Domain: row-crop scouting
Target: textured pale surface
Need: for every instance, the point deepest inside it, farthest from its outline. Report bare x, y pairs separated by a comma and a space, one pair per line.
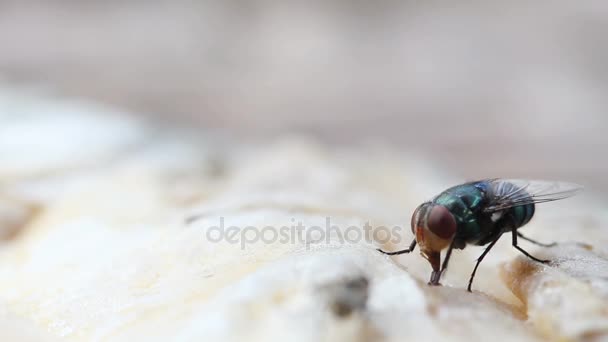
569, 298
99, 247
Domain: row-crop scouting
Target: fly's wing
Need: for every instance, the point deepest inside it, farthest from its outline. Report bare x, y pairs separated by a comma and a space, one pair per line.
507, 193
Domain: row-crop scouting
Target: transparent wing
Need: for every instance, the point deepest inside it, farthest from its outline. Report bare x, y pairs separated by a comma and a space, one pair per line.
507, 193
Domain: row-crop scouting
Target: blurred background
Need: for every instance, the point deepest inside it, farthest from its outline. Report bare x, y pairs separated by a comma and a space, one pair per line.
484, 89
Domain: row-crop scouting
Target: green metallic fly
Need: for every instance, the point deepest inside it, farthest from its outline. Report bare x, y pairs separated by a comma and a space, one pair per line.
478, 213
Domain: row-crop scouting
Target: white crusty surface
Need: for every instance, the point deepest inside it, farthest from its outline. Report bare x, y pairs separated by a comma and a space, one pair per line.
106, 228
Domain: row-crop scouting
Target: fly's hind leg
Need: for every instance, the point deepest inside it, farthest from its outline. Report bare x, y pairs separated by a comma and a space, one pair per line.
411, 248
514, 234
536, 242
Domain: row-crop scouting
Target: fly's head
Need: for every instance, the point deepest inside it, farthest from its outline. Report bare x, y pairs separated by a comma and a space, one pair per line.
434, 227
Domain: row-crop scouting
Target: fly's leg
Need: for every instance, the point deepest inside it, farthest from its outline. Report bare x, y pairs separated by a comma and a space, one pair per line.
404, 251
479, 261
536, 242
514, 235
580, 244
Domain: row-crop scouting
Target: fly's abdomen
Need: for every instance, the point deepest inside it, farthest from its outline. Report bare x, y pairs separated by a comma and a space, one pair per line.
520, 215
514, 216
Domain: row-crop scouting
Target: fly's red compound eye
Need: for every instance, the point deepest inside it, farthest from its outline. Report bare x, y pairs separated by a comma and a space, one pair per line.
441, 222
416, 218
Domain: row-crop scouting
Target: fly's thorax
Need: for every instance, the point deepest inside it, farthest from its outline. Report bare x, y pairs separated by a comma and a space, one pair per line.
434, 227
466, 203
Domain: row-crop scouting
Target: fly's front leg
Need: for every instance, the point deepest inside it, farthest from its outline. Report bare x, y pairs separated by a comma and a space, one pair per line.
410, 249
536, 242
514, 235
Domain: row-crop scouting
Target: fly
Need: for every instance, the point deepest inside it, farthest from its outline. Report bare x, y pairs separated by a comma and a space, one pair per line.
479, 213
